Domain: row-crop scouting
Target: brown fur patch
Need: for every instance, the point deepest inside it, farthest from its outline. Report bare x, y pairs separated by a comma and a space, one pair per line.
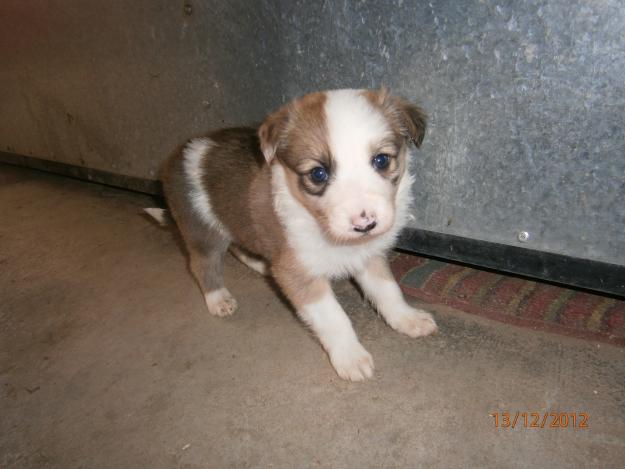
298, 285
238, 182
296, 135
296, 130
301, 143
305, 144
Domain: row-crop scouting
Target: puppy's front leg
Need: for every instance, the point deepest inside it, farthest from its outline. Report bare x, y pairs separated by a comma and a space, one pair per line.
378, 283
316, 305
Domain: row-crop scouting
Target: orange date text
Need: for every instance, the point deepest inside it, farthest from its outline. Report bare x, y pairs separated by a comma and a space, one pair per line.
540, 419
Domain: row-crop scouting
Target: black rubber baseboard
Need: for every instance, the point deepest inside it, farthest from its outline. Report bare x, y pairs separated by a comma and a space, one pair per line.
136, 184
582, 273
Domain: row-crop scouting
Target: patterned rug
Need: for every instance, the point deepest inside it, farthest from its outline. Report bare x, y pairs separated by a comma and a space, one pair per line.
513, 300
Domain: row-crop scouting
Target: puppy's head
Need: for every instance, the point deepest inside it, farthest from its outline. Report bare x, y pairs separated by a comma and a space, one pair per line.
344, 154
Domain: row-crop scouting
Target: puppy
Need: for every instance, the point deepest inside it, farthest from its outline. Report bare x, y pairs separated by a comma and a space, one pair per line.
319, 191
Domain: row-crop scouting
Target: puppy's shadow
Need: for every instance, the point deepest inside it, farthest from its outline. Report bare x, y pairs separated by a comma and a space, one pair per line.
275, 288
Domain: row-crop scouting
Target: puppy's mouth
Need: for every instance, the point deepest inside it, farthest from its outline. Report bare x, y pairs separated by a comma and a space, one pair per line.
364, 230
356, 234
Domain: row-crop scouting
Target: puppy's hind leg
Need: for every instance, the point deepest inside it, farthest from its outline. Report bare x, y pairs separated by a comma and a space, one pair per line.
207, 245
206, 261
206, 239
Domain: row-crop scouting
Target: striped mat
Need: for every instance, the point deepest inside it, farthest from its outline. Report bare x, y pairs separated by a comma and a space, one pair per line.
513, 300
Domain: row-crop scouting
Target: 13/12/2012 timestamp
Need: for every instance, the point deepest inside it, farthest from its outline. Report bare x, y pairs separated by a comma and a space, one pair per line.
540, 419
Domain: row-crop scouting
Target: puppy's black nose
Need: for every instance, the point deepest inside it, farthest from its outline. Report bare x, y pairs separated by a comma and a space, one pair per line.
366, 229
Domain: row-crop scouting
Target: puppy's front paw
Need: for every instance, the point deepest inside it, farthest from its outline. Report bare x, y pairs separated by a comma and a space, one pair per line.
220, 302
352, 362
414, 323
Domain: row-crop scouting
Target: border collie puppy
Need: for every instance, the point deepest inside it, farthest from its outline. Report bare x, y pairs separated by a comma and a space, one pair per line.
319, 191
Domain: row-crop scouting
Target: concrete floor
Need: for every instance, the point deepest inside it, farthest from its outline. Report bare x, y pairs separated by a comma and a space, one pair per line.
109, 360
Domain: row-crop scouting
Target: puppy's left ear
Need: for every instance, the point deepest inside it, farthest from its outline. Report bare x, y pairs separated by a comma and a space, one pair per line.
272, 132
413, 120
409, 118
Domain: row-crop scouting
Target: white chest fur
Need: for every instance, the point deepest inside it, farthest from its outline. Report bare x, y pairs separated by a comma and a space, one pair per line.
314, 251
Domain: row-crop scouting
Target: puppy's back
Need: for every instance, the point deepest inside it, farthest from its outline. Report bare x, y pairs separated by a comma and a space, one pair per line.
223, 182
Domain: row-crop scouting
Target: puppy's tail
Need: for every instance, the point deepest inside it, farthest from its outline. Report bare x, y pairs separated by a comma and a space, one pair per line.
160, 215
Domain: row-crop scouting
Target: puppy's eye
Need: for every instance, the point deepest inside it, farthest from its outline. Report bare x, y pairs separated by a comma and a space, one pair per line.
319, 175
381, 161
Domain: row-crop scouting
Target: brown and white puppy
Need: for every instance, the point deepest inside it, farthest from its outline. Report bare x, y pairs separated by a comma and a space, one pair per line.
320, 191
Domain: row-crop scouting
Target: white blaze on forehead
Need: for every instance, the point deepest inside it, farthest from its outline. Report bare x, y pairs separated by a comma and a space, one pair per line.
353, 126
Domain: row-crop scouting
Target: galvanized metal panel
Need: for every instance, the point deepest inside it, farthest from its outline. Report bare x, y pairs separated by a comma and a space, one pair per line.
526, 103
526, 99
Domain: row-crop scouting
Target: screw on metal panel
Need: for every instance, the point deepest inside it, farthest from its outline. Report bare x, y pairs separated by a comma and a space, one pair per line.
523, 236
188, 8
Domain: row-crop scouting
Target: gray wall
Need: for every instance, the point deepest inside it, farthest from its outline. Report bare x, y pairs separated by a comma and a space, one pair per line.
526, 98
117, 85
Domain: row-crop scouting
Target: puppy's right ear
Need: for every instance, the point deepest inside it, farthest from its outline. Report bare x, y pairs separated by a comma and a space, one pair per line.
272, 132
